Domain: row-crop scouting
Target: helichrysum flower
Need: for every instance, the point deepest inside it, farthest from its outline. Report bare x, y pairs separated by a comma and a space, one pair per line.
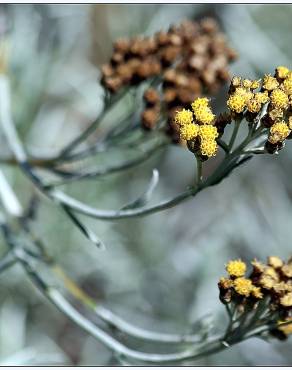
246, 93
208, 147
208, 132
282, 72
204, 115
254, 105
255, 84
279, 99
247, 83
236, 81
184, 117
287, 270
286, 300
200, 103
236, 268
275, 262
189, 131
276, 113
270, 83
287, 85
290, 122
267, 282
225, 283
202, 111
236, 103
262, 97
243, 286
286, 329
278, 132
202, 127
256, 292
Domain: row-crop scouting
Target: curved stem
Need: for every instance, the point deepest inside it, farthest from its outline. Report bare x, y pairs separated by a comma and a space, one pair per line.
90, 129
234, 134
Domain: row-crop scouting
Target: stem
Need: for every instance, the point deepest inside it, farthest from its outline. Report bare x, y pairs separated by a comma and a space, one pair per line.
234, 134
6, 261
89, 130
199, 172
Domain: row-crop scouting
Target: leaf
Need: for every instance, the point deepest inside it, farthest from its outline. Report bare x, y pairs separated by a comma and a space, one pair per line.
88, 233
146, 196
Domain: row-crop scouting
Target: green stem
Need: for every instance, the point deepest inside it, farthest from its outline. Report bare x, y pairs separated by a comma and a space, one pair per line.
199, 172
234, 134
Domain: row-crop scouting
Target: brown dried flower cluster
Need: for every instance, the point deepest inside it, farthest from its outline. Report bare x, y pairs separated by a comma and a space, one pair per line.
270, 283
190, 59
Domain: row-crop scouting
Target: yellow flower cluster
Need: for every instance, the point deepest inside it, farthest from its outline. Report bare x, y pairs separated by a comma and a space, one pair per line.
237, 282
279, 132
242, 96
197, 125
279, 89
272, 281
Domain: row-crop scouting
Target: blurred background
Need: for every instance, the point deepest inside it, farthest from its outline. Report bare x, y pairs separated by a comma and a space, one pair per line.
159, 272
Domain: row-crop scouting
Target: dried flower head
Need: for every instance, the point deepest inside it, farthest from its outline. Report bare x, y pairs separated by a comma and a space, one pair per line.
243, 286
270, 83
278, 132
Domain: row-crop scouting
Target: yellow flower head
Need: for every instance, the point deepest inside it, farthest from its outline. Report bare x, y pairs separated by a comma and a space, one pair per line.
236, 81
255, 84
286, 300
256, 292
189, 132
267, 282
287, 270
270, 271
236, 268
275, 262
262, 97
200, 103
276, 113
270, 83
184, 117
246, 93
202, 111
278, 132
258, 266
279, 99
286, 329
287, 85
247, 83
208, 132
280, 288
208, 147
282, 72
236, 103
205, 116
225, 283
243, 286
254, 106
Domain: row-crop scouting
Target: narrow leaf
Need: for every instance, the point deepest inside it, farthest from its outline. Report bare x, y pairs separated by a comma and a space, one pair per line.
146, 196
88, 233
